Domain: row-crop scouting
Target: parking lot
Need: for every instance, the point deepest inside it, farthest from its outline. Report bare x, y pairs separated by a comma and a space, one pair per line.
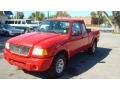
104, 64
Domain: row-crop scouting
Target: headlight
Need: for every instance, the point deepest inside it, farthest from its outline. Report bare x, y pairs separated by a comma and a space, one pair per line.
39, 51
7, 46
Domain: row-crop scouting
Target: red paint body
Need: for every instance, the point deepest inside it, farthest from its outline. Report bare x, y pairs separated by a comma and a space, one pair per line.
53, 43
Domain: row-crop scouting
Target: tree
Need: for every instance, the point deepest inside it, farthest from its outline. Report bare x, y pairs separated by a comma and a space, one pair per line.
62, 14
99, 15
93, 14
96, 14
10, 17
114, 21
37, 16
19, 15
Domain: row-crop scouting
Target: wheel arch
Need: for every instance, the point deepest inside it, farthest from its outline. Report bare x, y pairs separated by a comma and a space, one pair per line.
63, 52
94, 40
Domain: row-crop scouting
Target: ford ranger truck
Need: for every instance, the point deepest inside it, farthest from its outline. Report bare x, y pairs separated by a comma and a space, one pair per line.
51, 46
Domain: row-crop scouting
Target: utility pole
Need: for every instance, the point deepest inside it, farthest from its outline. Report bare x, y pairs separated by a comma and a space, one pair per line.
98, 21
35, 16
16, 15
48, 14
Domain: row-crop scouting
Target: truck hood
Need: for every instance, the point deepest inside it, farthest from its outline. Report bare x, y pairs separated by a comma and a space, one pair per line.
31, 39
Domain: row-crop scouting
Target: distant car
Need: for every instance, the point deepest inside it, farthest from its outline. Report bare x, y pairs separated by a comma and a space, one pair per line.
106, 28
24, 23
8, 30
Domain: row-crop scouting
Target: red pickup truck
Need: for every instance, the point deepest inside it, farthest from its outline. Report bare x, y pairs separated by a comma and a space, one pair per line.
51, 46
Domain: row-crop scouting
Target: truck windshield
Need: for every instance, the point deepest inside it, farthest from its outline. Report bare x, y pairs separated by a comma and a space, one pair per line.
54, 26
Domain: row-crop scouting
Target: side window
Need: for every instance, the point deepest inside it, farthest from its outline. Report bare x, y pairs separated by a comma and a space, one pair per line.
83, 28
10, 22
23, 22
19, 22
76, 27
15, 22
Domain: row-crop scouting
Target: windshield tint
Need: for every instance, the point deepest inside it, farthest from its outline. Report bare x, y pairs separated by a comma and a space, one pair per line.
54, 26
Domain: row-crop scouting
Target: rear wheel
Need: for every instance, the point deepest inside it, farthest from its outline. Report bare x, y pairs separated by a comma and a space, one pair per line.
57, 67
92, 50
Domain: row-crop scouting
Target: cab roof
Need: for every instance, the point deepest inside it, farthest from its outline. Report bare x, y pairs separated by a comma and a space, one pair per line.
67, 19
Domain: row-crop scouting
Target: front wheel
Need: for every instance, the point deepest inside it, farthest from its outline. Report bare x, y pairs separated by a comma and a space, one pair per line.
7, 34
57, 67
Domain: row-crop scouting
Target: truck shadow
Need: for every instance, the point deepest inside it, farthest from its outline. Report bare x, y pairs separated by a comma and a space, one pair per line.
81, 63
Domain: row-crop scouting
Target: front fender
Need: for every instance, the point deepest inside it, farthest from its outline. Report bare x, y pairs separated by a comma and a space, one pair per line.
57, 48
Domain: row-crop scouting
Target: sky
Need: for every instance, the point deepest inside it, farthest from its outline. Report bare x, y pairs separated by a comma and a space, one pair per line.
72, 13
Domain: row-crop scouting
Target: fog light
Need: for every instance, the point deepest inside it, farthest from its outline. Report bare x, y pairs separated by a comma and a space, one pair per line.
34, 67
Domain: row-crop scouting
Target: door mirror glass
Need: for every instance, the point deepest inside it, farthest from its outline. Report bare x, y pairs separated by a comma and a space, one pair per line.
88, 30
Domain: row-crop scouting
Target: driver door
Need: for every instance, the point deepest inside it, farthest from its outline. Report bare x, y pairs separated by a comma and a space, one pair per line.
75, 42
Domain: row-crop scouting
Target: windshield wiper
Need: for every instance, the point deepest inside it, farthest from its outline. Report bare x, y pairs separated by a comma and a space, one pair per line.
51, 31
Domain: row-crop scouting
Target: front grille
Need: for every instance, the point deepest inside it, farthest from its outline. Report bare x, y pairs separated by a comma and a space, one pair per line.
21, 50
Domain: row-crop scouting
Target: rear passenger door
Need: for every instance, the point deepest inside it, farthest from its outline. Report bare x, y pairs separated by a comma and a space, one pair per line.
85, 36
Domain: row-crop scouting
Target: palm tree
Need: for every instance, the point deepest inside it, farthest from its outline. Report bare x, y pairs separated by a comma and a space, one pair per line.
62, 14
39, 16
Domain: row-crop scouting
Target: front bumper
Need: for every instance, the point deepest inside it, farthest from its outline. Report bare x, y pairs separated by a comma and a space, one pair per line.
12, 34
28, 63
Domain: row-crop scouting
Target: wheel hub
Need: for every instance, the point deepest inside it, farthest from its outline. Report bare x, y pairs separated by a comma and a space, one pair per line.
59, 66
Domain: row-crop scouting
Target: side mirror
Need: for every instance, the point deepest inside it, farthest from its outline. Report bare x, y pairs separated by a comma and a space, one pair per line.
75, 33
88, 30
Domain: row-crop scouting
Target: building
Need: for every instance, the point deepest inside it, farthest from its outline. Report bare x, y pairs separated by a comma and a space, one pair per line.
91, 21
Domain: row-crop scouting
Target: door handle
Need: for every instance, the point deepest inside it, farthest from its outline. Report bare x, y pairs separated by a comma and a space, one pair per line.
83, 36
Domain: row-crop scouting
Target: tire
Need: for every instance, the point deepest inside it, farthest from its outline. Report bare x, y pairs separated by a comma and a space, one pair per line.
92, 50
7, 34
58, 66
25, 71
